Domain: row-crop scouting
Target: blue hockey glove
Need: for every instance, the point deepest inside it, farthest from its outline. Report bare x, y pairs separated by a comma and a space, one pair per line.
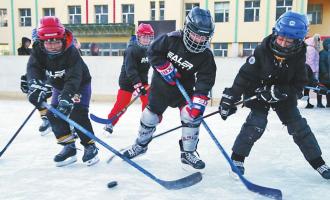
198, 107
271, 94
140, 88
37, 92
169, 73
65, 105
227, 104
24, 84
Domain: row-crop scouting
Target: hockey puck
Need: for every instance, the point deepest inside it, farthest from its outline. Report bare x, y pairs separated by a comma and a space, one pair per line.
112, 184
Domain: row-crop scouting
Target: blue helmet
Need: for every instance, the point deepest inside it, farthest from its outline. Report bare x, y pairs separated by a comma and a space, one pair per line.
291, 25
198, 23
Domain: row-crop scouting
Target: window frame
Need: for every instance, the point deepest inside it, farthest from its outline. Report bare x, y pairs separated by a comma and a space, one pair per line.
224, 13
3, 17
76, 15
254, 9
52, 11
129, 16
99, 16
25, 20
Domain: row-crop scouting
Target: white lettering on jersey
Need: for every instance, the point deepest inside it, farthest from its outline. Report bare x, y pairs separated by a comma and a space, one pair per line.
56, 74
144, 60
184, 64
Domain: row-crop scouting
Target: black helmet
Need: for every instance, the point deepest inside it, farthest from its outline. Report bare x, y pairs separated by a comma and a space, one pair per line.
198, 26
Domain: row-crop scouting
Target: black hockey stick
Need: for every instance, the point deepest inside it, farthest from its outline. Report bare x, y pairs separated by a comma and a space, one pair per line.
173, 129
170, 185
264, 191
109, 121
18, 130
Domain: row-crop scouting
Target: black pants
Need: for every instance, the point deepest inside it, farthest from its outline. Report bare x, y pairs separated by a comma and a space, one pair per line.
297, 126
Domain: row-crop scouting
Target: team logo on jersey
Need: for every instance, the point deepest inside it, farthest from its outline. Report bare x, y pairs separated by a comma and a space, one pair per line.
144, 60
184, 64
252, 60
56, 74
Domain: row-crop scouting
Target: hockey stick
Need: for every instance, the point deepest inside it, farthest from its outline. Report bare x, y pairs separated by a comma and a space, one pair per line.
315, 89
18, 130
173, 129
170, 185
265, 191
109, 121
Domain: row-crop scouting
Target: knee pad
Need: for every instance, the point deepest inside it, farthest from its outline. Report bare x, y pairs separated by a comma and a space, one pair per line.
254, 126
187, 120
298, 128
148, 123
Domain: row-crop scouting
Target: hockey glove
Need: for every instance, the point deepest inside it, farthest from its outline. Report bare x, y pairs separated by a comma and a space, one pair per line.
37, 92
271, 94
227, 107
139, 88
65, 106
24, 84
199, 103
169, 73
321, 89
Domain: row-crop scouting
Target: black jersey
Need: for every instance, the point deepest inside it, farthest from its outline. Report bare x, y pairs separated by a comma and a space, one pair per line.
262, 68
135, 67
66, 72
198, 70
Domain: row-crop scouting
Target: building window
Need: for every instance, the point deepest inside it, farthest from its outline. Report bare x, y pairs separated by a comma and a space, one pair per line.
314, 13
49, 11
190, 6
152, 10
248, 48
25, 16
128, 13
74, 14
221, 12
282, 6
251, 11
161, 10
105, 49
220, 49
101, 14
3, 18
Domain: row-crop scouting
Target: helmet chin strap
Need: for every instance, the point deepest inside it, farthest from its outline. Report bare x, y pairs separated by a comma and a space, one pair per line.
279, 59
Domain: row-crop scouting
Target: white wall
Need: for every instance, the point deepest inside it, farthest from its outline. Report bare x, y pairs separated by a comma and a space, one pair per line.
105, 73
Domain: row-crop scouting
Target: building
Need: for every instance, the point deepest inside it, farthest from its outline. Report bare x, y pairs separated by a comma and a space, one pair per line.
239, 24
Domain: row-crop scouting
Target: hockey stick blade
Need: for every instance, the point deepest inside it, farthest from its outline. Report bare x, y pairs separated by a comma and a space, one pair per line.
99, 119
170, 185
264, 191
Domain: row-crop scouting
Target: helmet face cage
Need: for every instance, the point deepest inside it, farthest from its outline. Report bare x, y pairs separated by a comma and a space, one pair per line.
190, 40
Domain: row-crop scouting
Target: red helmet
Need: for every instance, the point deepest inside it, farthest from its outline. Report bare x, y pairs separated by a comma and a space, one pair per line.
145, 29
50, 28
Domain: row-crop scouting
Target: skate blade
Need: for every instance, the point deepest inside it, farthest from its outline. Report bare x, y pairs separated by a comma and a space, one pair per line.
45, 132
92, 161
68, 161
190, 169
233, 175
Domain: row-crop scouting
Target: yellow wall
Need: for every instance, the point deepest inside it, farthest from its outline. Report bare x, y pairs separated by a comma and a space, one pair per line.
324, 28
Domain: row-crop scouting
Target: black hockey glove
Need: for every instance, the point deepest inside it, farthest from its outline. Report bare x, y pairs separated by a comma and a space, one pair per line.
24, 84
140, 88
37, 92
227, 107
65, 105
271, 94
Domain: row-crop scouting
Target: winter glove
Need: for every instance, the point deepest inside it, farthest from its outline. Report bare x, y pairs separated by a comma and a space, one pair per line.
37, 92
227, 106
199, 103
65, 106
24, 84
169, 73
271, 94
139, 88
321, 89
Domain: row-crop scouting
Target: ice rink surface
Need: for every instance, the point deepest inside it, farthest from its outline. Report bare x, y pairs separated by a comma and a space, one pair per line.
27, 170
